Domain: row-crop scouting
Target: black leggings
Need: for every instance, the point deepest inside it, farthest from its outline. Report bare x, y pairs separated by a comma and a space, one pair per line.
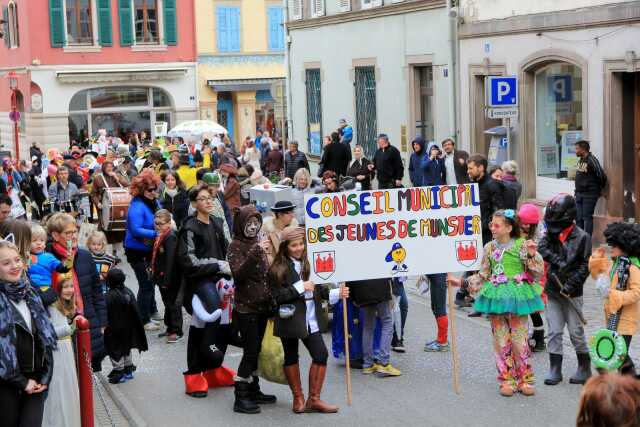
252, 327
20, 409
627, 366
315, 346
536, 320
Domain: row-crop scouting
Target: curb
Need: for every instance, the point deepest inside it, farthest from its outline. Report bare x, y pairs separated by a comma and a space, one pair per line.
122, 403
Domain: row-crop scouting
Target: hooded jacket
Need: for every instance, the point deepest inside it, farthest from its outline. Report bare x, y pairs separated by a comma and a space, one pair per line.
231, 186
433, 171
415, 170
249, 265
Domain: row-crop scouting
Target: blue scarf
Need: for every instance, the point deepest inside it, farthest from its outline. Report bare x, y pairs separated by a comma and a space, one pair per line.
17, 292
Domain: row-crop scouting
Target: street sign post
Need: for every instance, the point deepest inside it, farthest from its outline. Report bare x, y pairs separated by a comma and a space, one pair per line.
501, 99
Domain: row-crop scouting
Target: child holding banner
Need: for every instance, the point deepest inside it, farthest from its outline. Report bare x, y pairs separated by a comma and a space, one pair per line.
508, 291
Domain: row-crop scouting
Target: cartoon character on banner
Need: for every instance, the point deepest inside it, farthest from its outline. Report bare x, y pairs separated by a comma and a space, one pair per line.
397, 255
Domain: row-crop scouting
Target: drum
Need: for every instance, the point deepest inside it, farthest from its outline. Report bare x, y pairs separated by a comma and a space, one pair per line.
115, 205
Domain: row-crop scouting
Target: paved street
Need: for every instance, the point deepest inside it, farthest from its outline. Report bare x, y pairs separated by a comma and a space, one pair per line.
423, 395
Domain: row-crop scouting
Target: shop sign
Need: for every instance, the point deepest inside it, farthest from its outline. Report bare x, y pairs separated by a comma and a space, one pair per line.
502, 113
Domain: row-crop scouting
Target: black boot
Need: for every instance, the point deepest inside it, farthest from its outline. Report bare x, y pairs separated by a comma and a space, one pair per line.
555, 369
538, 340
258, 396
243, 402
584, 369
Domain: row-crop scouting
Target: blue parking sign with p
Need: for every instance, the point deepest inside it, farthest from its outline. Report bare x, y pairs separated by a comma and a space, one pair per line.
502, 91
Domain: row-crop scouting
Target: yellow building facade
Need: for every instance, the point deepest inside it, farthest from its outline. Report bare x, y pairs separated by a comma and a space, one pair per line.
241, 67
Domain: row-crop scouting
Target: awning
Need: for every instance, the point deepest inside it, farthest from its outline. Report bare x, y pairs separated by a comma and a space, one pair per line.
241, 84
110, 76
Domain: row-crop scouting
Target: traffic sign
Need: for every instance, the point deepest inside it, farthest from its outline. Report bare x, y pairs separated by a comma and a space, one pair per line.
14, 116
501, 91
502, 113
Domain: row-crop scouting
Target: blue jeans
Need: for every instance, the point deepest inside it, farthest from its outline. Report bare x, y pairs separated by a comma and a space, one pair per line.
400, 295
383, 312
146, 291
585, 206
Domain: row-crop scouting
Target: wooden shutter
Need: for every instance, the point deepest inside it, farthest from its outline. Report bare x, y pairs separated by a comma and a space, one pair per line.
170, 23
56, 23
318, 8
376, 3
125, 16
296, 9
276, 29
222, 28
345, 5
234, 29
105, 36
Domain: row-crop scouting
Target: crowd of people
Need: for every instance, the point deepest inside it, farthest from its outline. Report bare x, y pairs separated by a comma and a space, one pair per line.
180, 214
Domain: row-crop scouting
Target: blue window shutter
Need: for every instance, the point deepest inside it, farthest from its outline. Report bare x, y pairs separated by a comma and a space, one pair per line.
170, 23
276, 29
5, 26
234, 29
104, 23
125, 16
222, 29
56, 22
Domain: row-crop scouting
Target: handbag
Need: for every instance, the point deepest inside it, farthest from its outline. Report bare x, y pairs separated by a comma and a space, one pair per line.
271, 359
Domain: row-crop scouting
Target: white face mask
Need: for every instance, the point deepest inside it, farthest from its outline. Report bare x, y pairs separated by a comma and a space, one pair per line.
252, 227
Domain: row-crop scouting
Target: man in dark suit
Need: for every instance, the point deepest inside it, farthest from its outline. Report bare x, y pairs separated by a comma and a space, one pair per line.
455, 163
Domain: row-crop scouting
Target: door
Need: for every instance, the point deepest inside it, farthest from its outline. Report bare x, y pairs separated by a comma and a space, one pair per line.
225, 115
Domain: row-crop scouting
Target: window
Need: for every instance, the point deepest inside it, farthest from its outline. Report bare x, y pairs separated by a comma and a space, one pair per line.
146, 21
228, 29
559, 120
314, 111
366, 109
276, 28
12, 37
345, 5
78, 15
317, 8
295, 10
368, 4
424, 119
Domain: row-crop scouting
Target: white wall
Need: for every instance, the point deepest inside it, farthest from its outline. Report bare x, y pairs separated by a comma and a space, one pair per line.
512, 50
389, 40
481, 10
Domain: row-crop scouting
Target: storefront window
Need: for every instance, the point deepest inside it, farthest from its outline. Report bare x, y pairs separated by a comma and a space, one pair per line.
559, 121
146, 21
119, 110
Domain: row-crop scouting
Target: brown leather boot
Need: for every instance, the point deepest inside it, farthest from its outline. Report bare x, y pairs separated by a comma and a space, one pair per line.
292, 373
317, 374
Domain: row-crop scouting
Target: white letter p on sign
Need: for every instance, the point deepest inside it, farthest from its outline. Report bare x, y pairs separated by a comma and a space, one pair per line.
503, 90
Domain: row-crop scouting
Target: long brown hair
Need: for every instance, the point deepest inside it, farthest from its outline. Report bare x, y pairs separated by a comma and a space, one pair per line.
67, 308
610, 400
280, 265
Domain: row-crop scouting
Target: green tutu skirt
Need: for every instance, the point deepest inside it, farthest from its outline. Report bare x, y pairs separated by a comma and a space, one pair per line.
512, 297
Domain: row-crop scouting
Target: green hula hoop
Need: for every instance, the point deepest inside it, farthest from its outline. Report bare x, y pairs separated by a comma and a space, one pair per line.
607, 349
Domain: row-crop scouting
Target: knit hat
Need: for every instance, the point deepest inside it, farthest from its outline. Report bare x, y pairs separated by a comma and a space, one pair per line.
115, 278
292, 233
211, 178
529, 214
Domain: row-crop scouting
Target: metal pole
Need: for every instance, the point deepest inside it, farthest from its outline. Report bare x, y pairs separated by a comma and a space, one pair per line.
452, 19
287, 60
16, 132
509, 149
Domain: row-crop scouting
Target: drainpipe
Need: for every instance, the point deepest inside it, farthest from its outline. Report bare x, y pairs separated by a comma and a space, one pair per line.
452, 28
287, 60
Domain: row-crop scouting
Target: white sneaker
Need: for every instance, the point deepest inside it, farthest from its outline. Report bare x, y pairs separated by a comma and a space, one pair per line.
151, 326
157, 317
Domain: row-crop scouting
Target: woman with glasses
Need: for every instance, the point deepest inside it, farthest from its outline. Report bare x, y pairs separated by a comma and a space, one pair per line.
138, 241
90, 300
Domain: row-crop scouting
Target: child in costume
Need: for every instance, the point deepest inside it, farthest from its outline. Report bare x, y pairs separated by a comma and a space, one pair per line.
566, 249
124, 330
529, 218
301, 317
624, 239
43, 264
509, 292
97, 245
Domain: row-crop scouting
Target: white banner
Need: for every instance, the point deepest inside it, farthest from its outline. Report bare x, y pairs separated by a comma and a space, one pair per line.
357, 235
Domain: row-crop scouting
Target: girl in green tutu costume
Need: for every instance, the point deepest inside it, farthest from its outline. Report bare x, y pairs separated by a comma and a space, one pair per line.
507, 289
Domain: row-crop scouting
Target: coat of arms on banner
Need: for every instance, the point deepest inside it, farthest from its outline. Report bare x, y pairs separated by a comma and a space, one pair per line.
466, 252
324, 263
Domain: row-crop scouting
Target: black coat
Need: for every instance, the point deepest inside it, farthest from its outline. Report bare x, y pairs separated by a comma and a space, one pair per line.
491, 200
125, 330
369, 292
460, 158
177, 205
284, 293
166, 272
361, 168
388, 166
335, 157
569, 261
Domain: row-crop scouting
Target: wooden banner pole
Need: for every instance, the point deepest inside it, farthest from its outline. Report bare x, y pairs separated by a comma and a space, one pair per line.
345, 323
454, 340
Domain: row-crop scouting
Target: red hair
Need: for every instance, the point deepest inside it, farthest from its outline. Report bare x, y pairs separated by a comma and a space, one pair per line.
610, 400
146, 179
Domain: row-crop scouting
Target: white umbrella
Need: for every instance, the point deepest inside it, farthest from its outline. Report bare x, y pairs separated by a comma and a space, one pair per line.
195, 129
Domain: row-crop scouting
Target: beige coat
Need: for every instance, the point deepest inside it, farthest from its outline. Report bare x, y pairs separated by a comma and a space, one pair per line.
629, 299
272, 240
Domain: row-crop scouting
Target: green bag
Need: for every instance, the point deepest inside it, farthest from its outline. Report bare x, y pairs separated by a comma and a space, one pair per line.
271, 359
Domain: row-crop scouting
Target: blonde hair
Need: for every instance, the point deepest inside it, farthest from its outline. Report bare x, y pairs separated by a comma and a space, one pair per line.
67, 308
510, 167
97, 236
38, 231
302, 172
164, 215
59, 221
